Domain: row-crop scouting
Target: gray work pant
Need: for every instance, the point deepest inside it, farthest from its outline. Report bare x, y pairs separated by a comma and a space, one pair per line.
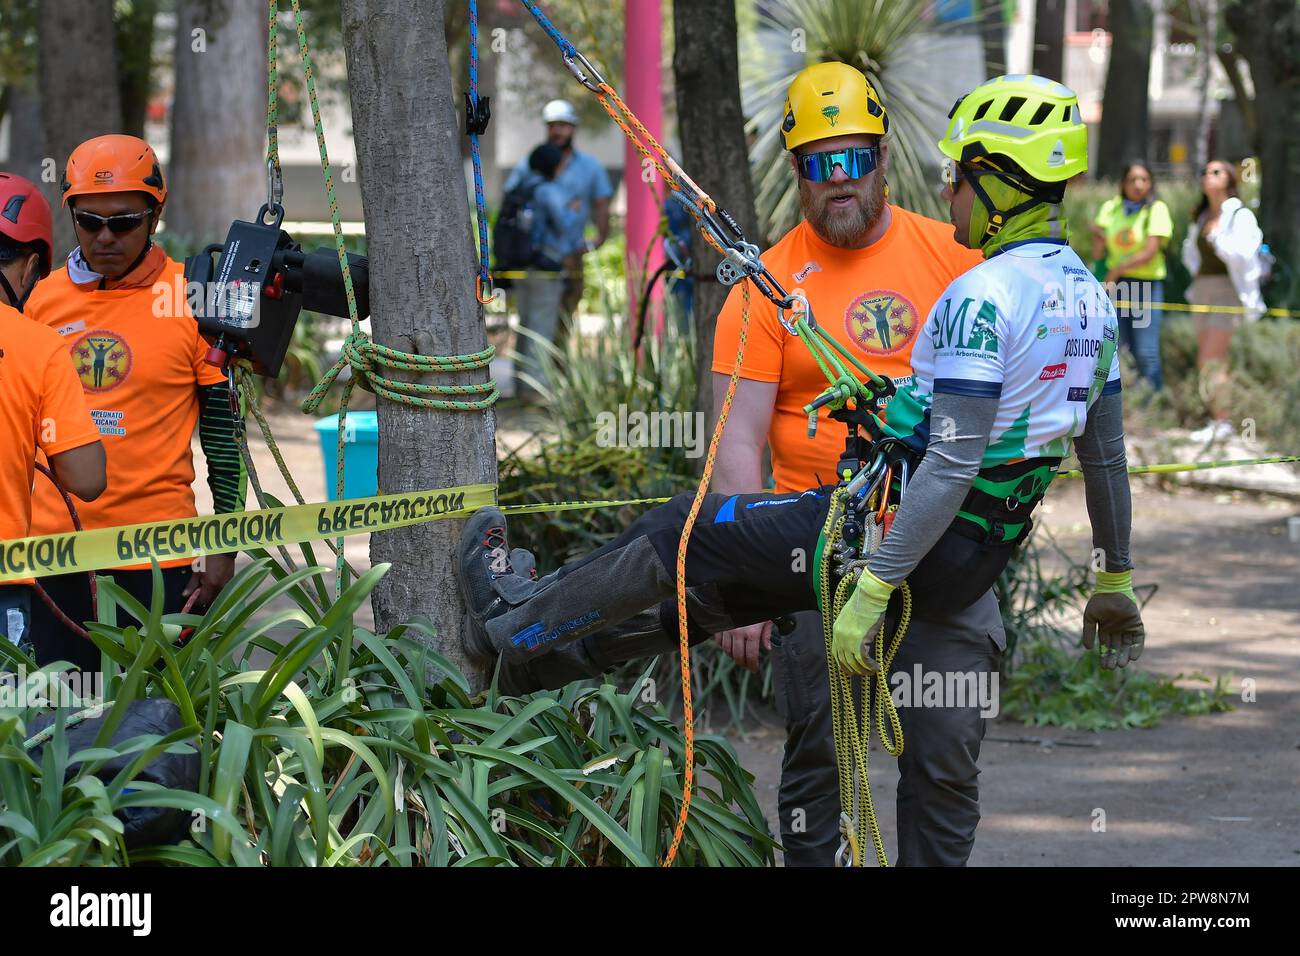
538, 302
938, 789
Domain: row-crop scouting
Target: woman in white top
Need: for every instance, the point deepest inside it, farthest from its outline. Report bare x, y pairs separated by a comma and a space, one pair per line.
1221, 251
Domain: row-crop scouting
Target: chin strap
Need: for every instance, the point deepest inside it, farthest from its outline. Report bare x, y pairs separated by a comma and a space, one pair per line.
18, 301
997, 218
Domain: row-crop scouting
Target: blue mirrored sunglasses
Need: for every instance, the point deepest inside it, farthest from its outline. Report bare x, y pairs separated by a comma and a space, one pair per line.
856, 161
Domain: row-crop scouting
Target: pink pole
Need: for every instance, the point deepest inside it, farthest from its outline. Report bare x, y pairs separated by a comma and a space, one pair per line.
641, 45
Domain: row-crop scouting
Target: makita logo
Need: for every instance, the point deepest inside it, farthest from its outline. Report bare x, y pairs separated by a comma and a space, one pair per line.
1082, 348
1051, 372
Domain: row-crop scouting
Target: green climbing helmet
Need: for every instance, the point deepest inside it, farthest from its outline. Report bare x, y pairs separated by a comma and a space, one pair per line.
1031, 120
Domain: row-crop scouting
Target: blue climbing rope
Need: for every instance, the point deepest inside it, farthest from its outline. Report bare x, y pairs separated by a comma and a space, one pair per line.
567, 48
476, 120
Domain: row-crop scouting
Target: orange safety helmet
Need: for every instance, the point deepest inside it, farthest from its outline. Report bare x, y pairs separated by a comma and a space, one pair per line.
113, 164
25, 217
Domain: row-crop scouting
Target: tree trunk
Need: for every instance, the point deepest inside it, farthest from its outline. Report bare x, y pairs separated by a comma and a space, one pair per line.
27, 143
1230, 59
421, 292
714, 151
1208, 11
135, 57
217, 170
1049, 39
1124, 115
1268, 36
78, 79
993, 38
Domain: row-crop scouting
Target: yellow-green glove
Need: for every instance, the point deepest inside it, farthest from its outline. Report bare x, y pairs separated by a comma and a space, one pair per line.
1112, 614
855, 628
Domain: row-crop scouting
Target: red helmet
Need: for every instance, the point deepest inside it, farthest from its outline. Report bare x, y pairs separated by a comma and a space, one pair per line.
25, 217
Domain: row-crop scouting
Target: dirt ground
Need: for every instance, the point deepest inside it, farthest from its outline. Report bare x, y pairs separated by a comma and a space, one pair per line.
1219, 790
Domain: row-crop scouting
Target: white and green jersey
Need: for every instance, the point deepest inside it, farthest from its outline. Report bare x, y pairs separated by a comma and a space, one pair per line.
1030, 327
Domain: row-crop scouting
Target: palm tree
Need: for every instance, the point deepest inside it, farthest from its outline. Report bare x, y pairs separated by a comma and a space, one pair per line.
876, 37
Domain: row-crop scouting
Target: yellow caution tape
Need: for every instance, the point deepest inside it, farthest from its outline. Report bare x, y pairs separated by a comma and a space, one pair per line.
1193, 307
100, 548
94, 550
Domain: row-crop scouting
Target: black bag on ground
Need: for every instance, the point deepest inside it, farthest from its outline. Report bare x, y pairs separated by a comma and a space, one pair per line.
142, 826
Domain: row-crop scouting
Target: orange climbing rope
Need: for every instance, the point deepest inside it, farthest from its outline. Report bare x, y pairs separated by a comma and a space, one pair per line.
688, 710
742, 263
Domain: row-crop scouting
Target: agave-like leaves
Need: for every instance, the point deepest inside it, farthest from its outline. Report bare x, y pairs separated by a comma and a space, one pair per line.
333, 748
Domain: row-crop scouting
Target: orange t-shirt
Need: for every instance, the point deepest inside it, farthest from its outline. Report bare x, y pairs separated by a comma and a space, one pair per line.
139, 355
873, 301
41, 406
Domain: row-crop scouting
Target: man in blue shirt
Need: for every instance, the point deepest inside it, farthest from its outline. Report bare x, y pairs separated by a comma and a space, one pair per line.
586, 189
539, 294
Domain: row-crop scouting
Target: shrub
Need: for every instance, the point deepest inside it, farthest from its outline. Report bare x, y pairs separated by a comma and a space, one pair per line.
348, 748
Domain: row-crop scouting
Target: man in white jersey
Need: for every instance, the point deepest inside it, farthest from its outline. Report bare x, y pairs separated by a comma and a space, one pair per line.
1015, 362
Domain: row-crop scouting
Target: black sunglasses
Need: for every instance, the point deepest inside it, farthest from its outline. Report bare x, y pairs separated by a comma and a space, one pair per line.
119, 225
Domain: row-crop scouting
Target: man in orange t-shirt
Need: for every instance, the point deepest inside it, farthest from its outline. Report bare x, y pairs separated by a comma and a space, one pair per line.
41, 404
120, 306
871, 272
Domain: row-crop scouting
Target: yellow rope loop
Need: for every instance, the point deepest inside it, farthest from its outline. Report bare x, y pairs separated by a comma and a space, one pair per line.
851, 718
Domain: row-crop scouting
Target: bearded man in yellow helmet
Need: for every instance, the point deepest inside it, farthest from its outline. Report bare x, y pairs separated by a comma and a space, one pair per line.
1015, 362
871, 271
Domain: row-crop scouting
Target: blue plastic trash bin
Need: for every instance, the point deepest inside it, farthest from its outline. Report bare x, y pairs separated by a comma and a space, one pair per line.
361, 454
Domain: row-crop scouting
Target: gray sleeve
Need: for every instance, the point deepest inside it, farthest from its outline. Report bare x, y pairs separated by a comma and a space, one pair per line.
1105, 479
959, 432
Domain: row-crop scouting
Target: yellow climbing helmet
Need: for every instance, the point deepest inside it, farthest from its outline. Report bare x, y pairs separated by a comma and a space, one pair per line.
830, 99
1031, 120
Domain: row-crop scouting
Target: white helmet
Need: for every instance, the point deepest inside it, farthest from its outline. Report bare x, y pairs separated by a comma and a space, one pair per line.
559, 111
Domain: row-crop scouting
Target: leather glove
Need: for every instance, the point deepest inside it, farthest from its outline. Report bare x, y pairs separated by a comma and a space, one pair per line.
1112, 614
858, 622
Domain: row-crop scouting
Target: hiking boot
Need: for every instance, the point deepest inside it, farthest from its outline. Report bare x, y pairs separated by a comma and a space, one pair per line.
492, 577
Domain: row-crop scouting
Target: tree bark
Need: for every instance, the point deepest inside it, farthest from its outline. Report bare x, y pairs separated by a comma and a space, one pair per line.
714, 152
1049, 39
1268, 36
27, 142
1124, 113
1208, 11
78, 80
135, 59
217, 170
421, 292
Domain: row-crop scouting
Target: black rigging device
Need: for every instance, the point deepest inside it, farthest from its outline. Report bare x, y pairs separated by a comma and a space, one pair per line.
246, 293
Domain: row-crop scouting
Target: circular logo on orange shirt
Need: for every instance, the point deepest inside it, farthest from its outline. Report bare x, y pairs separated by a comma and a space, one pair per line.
103, 360
882, 321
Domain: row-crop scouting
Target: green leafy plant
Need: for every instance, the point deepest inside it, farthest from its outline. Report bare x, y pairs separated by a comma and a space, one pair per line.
1049, 680
322, 743
1056, 687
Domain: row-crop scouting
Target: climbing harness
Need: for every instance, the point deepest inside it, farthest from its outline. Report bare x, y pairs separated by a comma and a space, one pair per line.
847, 398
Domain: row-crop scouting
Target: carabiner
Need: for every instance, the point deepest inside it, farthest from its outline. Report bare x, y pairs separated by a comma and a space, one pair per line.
274, 185
580, 67
480, 285
797, 303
